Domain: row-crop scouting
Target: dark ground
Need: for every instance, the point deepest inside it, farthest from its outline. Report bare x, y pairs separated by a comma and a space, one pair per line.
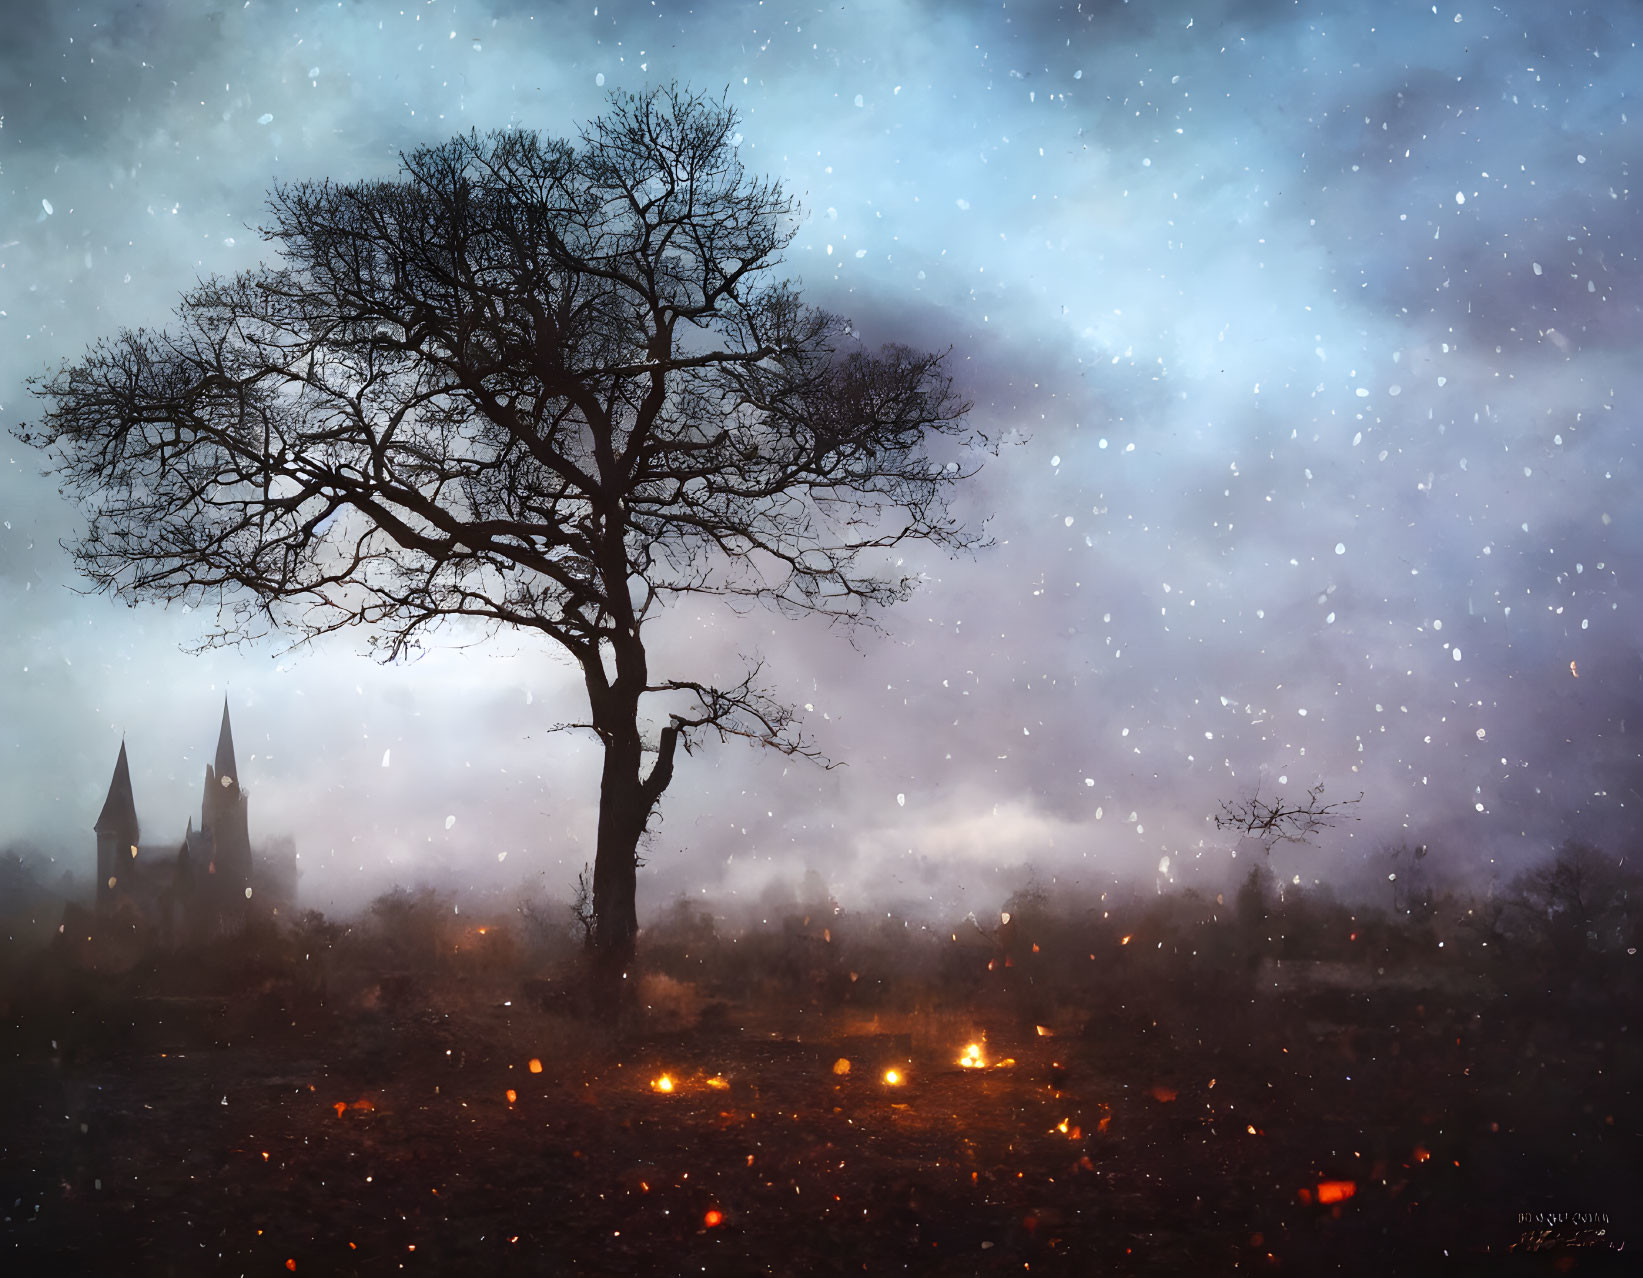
229, 1111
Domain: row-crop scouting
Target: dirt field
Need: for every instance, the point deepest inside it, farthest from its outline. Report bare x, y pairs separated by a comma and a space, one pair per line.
190, 1118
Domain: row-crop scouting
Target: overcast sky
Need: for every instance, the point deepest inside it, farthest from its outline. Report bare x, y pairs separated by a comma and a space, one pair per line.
1313, 332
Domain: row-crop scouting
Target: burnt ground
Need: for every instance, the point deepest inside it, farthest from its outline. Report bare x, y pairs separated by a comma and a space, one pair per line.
200, 1115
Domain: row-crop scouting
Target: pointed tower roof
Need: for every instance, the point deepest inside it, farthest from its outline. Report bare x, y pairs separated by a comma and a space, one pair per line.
225, 748
119, 814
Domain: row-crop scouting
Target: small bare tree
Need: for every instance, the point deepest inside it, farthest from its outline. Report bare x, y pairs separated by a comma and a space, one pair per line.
1280, 820
534, 384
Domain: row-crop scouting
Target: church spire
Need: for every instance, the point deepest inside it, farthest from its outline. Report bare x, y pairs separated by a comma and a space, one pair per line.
119, 814
225, 766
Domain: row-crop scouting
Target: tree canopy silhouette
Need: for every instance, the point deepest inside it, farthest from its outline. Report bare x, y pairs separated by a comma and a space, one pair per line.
532, 383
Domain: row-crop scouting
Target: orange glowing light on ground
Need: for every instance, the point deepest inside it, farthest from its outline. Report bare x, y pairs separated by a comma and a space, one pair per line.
291, 1264
718, 1084
662, 1084
893, 1077
1422, 1154
1163, 1094
972, 1058
535, 1066
512, 1096
1125, 941
1044, 1031
841, 1066
1336, 1191
713, 1218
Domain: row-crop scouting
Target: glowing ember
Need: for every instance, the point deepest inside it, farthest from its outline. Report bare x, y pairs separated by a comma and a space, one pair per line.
893, 1077
1044, 1031
512, 1096
1336, 1191
972, 1057
535, 1066
1125, 941
841, 1066
662, 1084
1422, 1154
1163, 1094
714, 1218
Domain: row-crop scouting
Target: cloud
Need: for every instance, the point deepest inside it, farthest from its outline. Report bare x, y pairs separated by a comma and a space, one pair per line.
1168, 245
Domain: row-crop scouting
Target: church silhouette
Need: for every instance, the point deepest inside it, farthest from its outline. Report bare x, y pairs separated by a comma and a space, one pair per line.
207, 886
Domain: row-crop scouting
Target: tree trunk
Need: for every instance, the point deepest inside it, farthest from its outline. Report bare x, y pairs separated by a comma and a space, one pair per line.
622, 813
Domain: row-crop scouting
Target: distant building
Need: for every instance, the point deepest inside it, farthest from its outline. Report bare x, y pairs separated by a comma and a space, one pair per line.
209, 884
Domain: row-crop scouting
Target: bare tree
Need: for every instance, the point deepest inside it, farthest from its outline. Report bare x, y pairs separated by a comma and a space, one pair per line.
1579, 902
1280, 820
530, 383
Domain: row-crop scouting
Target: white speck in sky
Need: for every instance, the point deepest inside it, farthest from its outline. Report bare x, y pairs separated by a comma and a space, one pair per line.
1455, 653
267, 117
1460, 197
385, 755
901, 800
1340, 547
46, 205
449, 822
599, 79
